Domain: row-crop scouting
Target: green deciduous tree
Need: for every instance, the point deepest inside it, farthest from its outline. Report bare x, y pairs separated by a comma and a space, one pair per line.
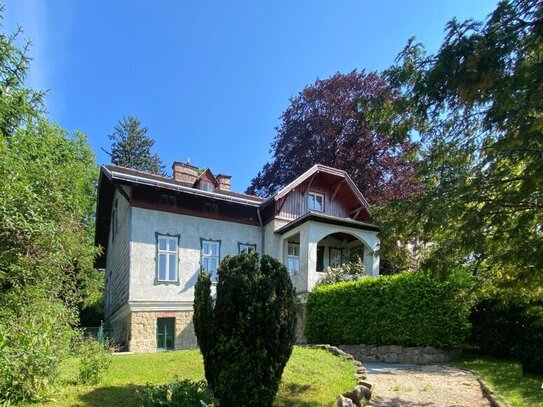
477, 108
246, 338
47, 200
132, 147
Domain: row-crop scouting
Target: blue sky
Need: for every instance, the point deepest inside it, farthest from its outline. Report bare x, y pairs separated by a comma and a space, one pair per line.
210, 79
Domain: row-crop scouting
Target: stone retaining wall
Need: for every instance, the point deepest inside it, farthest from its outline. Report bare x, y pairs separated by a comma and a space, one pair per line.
420, 355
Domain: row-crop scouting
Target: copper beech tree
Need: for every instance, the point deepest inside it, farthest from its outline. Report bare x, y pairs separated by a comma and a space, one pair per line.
325, 124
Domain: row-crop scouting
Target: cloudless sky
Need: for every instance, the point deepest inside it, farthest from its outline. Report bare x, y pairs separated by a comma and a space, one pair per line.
210, 78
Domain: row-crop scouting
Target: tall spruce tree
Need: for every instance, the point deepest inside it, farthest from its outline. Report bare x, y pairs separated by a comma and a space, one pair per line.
132, 147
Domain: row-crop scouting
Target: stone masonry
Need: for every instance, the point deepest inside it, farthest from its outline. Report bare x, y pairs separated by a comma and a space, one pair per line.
144, 326
419, 355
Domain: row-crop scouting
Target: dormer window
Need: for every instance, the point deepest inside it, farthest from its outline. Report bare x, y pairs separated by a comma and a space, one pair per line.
315, 202
206, 186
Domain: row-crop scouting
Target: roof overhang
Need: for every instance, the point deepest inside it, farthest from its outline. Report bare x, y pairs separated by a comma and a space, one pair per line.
331, 220
143, 180
311, 172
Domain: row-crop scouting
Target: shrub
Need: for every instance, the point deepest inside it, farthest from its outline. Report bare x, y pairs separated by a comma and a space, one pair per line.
246, 339
513, 330
94, 359
353, 270
35, 336
410, 309
180, 393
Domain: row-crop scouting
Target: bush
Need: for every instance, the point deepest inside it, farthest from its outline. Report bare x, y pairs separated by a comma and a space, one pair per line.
246, 339
35, 336
410, 309
180, 393
509, 331
94, 359
353, 270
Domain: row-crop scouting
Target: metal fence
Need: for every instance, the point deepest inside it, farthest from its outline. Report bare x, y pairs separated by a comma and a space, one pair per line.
101, 333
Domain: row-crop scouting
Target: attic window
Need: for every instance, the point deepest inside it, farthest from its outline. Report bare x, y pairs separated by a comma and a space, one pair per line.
315, 202
206, 186
168, 200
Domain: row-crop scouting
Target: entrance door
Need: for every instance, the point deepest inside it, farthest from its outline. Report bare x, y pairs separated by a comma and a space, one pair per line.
165, 332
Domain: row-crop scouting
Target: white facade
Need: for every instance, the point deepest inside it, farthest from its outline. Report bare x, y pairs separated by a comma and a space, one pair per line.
138, 297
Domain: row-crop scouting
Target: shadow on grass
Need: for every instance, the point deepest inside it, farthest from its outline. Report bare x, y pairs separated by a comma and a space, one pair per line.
125, 396
296, 393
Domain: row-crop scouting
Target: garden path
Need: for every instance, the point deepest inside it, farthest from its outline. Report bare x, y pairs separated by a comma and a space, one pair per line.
425, 386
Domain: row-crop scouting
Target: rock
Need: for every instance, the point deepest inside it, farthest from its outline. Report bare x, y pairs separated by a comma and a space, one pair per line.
396, 349
344, 402
390, 358
369, 389
359, 395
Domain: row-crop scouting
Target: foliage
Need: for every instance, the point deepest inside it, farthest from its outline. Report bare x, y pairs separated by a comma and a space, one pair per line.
131, 147
352, 270
35, 335
312, 377
179, 393
476, 106
509, 330
410, 309
505, 378
18, 104
91, 310
94, 359
327, 117
47, 201
247, 338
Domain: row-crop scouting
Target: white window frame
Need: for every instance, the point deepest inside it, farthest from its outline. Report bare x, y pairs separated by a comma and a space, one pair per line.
293, 260
204, 256
315, 195
246, 247
171, 256
207, 186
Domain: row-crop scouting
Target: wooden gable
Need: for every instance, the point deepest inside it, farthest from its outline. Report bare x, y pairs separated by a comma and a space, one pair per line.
341, 198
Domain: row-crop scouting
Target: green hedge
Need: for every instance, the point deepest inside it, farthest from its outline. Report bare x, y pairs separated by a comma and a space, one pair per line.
410, 309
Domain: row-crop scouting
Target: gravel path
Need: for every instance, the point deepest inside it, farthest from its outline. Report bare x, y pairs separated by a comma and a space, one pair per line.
427, 386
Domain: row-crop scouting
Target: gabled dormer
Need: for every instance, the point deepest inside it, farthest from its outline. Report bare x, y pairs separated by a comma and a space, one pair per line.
322, 190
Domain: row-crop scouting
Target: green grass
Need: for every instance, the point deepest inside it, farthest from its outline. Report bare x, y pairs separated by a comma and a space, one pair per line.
505, 378
312, 377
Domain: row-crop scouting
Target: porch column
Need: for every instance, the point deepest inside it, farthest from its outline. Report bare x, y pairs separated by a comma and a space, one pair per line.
308, 260
371, 262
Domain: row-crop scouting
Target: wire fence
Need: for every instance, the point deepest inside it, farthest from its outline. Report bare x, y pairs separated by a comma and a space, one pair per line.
102, 333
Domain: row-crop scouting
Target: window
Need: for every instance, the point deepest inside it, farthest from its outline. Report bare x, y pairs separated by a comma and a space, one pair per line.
168, 200
211, 208
246, 247
315, 202
336, 257
320, 259
293, 258
210, 257
167, 259
206, 186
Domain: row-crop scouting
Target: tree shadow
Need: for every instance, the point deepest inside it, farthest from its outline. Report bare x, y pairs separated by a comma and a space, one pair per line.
294, 396
126, 396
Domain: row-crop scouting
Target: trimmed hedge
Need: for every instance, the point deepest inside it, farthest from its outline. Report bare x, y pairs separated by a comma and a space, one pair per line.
409, 309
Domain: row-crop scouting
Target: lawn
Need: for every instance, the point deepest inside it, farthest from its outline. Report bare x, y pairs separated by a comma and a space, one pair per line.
505, 378
313, 377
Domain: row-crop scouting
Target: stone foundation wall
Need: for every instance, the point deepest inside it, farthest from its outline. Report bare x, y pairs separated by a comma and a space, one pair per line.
144, 325
300, 325
420, 355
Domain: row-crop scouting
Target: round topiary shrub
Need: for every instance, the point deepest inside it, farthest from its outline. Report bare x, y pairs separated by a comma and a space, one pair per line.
246, 336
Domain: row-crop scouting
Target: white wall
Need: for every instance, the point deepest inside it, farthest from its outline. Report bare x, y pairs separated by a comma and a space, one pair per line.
143, 250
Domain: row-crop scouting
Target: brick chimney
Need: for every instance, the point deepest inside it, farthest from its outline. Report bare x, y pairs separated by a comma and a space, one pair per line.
184, 172
224, 181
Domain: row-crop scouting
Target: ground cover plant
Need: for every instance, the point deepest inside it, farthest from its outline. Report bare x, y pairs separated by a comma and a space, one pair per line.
505, 378
312, 377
